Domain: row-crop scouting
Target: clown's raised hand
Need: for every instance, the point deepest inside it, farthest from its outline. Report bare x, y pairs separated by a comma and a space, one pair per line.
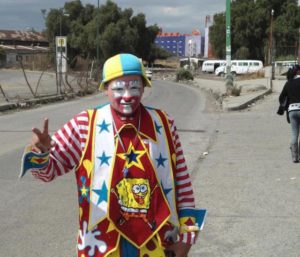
41, 141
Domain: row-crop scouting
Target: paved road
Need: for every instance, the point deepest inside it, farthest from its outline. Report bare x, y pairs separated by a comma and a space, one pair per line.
247, 181
40, 220
250, 187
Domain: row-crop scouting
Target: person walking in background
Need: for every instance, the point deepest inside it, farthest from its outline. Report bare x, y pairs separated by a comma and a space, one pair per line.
291, 94
134, 190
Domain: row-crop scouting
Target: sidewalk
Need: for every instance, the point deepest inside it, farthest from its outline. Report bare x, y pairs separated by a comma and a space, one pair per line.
251, 91
250, 186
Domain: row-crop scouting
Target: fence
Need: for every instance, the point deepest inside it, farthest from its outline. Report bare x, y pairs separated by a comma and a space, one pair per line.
34, 75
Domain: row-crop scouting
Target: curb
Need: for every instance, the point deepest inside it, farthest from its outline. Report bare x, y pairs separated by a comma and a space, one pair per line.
32, 102
236, 107
8, 106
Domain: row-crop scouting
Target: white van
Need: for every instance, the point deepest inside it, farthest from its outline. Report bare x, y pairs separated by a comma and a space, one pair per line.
281, 67
211, 65
241, 67
285, 64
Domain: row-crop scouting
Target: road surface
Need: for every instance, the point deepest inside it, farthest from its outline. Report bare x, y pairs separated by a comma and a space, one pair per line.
40, 220
247, 180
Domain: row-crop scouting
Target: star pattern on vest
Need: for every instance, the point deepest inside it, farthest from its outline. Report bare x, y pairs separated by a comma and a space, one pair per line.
104, 158
132, 157
84, 190
102, 193
161, 161
103, 126
157, 127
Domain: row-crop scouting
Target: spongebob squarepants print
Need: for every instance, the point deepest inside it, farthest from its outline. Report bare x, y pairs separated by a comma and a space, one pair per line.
134, 197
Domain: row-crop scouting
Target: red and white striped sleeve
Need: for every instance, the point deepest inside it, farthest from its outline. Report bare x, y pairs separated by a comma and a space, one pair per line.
185, 195
184, 190
69, 141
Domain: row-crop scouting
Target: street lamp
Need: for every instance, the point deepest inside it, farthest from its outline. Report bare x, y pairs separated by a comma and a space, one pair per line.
63, 13
271, 55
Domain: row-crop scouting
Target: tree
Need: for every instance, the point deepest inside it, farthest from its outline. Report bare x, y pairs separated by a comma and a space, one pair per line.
286, 30
157, 52
250, 24
119, 30
217, 35
118, 34
242, 53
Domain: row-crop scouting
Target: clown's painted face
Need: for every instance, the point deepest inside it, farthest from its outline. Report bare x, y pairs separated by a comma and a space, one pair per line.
125, 94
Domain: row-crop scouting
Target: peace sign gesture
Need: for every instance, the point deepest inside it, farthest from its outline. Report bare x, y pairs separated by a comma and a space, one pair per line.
41, 141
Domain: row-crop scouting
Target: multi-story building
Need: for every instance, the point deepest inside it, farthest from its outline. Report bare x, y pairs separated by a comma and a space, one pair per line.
181, 45
172, 42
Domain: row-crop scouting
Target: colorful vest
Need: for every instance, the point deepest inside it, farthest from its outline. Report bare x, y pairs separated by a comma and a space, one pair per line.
115, 207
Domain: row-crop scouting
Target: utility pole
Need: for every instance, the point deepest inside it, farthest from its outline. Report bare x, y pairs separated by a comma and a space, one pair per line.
271, 46
298, 57
229, 77
97, 21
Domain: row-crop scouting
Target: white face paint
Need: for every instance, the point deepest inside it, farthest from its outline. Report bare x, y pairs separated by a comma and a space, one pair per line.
125, 94
120, 89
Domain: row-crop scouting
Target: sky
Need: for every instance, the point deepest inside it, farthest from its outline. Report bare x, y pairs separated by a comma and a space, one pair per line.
171, 15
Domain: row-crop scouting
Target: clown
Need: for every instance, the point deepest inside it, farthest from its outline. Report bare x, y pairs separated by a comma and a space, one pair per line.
134, 191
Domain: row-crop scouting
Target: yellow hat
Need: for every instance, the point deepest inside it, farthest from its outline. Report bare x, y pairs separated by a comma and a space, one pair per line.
122, 65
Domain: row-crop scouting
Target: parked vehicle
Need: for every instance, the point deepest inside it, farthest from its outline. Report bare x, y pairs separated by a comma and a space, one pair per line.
240, 67
148, 74
281, 67
211, 65
194, 61
287, 64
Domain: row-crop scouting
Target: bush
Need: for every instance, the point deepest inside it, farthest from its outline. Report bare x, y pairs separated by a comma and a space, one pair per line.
183, 74
234, 90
